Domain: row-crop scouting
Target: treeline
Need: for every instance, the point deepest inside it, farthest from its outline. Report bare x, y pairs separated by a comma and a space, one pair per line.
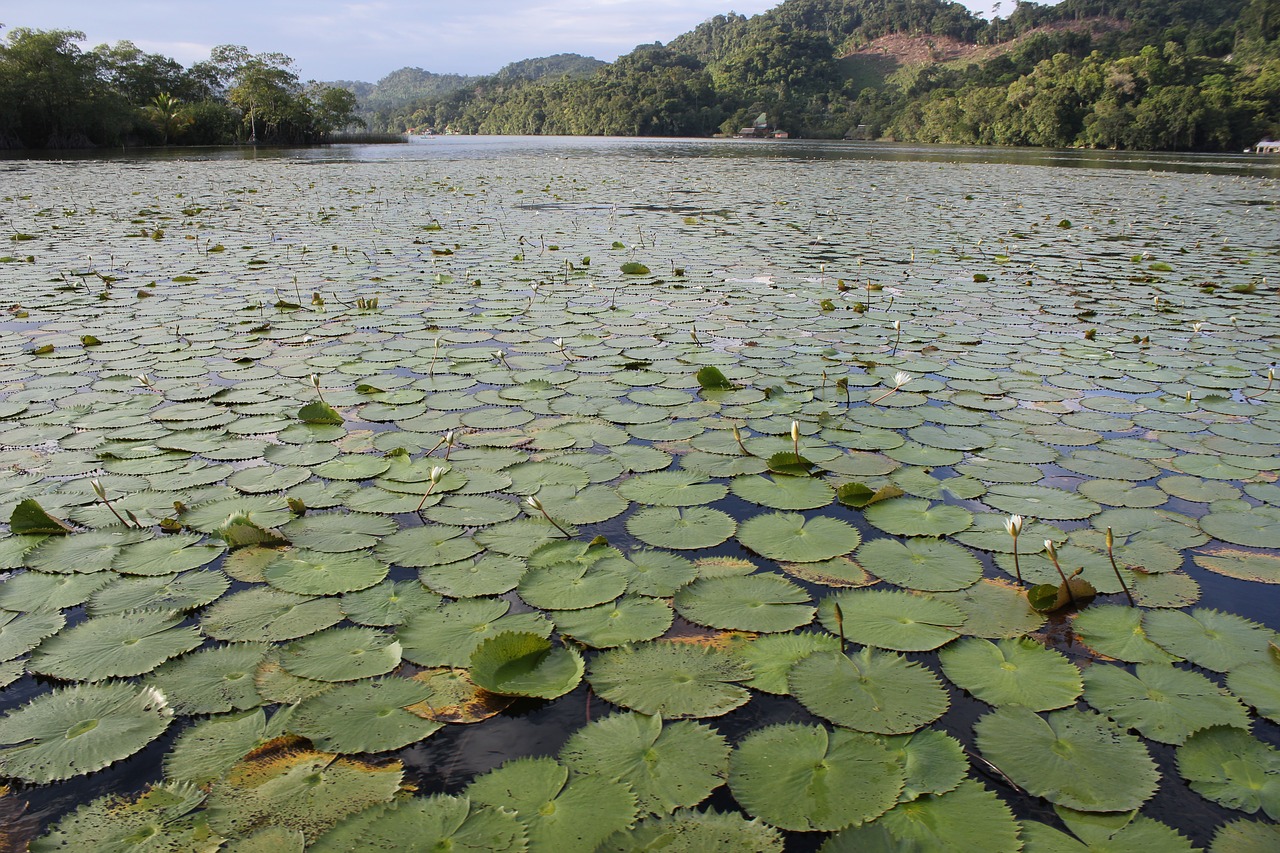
1148, 74
55, 95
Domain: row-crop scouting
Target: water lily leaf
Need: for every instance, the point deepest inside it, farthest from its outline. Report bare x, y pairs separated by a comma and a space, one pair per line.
892, 619
1259, 684
805, 778
859, 495
83, 553
792, 538
658, 573
430, 545
320, 412
342, 654
772, 656
920, 564
1209, 638
338, 533
935, 762
22, 632
1162, 702
211, 681
309, 572
28, 517
782, 492
681, 529
711, 379
120, 644
38, 592
364, 716
163, 815
261, 479
672, 488
1257, 528
688, 831
264, 615
1247, 565
918, 517
869, 691
1040, 502
667, 766
1116, 631
570, 815
427, 823
525, 664
674, 680
1072, 758
455, 698
283, 783
1232, 768
487, 574
1123, 832
629, 619
449, 634
167, 555
79, 729
1245, 836
1012, 672
764, 603
573, 585
591, 505
967, 818
388, 603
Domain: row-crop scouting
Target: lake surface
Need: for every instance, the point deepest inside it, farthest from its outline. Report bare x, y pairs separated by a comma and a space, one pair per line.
1085, 337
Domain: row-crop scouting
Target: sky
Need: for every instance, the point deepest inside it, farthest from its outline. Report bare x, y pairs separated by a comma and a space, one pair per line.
368, 39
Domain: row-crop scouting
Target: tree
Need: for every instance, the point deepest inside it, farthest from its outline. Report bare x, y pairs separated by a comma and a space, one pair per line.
169, 116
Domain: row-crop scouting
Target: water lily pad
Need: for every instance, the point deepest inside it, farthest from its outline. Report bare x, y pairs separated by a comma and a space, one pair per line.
20, 633
869, 691
790, 537
667, 766
119, 644
681, 529
763, 603
486, 574
338, 533
920, 564
163, 814
309, 572
1232, 768
935, 762
263, 615
674, 680
1164, 703
1209, 638
560, 813
79, 729
672, 488
1257, 528
435, 822
516, 663
430, 545
967, 818
83, 553
211, 681
688, 831
917, 517
364, 716
772, 656
342, 654
447, 635
1245, 836
38, 592
628, 619
1116, 631
1247, 565
1041, 502
805, 778
658, 573
892, 619
782, 492
1012, 672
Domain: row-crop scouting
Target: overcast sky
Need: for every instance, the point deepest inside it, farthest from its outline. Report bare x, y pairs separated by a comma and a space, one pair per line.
335, 40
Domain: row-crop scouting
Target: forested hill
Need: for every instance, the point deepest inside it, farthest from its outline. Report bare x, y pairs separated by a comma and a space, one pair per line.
1150, 74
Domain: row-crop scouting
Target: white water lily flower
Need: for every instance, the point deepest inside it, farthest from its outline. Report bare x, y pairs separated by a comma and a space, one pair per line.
1013, 525
901, 378
97, 488
795, 430
437, 473
1051, 548
534, 502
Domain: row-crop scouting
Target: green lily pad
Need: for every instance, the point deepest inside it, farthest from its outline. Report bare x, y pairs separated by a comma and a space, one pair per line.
672, 488
22, 632
429, 823
772, 656
364, 716
917, 517
1245, 836
1209, 638
342, 654
920, 564
79, 729
782, 492
681, 529
869, 691
1116, 631
1232, 768
486, 574
688, 831
264, 615
447, 635
765, 603
211, 681
119, 644
1256, 566
323, 573
967, 818
892, 619
164, 814
628, 619
790, 537
667, 766
430, 545
1012, 672
1072, 758
805, 778
1164, 703
674, 680
525, 664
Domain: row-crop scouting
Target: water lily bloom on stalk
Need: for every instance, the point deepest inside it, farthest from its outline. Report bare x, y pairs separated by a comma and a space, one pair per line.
899, 379
1013, 526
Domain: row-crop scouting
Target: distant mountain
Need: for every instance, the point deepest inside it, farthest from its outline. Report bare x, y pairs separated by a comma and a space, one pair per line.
1162, 74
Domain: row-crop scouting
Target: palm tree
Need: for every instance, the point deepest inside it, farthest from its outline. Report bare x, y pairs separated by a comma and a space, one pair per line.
168, 114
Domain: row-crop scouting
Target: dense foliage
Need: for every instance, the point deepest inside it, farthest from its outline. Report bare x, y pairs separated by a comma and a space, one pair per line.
53, 94
1146, 74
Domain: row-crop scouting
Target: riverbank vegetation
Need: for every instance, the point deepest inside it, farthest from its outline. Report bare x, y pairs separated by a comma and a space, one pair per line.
53, 94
